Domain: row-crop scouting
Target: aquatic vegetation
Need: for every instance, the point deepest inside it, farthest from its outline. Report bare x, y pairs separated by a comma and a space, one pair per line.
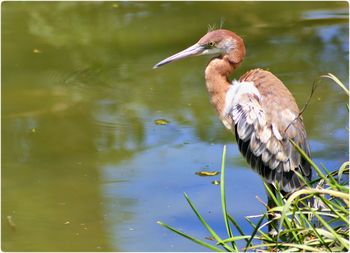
161, 122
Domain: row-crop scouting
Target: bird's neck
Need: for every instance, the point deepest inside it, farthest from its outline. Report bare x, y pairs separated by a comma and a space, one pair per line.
216, 76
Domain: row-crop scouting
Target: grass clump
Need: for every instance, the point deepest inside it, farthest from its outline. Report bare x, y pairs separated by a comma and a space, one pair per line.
323, 226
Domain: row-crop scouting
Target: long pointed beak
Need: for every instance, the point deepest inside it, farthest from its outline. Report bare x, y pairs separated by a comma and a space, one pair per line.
196, 49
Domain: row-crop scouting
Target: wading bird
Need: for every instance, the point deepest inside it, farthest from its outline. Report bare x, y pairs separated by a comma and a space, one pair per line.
258, 108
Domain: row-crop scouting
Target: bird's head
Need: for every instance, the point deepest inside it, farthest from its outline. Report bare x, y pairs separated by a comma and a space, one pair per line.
218, 42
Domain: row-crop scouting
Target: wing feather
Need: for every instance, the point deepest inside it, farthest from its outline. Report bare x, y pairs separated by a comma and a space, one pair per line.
263, 124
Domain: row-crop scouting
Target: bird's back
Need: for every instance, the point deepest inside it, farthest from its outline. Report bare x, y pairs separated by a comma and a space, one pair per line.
265, 116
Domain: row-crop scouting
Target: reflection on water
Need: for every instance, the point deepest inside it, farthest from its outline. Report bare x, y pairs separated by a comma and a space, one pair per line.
85, 167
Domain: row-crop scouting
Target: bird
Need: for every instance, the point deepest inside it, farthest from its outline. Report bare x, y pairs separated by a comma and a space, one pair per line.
258, 108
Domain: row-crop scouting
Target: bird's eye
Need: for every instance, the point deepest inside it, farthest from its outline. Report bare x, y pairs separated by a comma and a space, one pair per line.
211, 44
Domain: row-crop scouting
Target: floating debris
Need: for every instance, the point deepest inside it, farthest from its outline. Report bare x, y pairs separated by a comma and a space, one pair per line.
37, 51
115, 5
67, 222
33, 130
216, 182
207, 173
161, 122
10, 222
210, 238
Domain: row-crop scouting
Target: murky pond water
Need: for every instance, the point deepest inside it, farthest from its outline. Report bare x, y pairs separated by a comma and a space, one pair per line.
85, 167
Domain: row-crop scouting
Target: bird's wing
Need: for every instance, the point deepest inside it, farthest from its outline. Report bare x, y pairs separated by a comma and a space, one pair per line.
264, 121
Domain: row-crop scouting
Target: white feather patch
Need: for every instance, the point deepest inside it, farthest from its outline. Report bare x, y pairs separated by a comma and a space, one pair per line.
236, 90
276, 132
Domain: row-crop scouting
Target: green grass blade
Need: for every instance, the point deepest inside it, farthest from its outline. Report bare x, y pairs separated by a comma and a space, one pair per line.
330, 206
278, 193
342, 169
343, 242
285, 212
308, 159
264, 235
302, 178
335, 79
280, 209
257, 227
289, 225
202, 243
336, 204
279, 202
332, 182
287, 245
236, 225
240, 237
223, 198
271, 193
319, 237
205, 224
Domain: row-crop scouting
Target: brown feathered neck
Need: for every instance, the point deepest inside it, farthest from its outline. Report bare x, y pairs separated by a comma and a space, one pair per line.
218, 71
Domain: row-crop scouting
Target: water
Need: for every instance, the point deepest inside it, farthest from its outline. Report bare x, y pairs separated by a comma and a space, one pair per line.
84, 166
